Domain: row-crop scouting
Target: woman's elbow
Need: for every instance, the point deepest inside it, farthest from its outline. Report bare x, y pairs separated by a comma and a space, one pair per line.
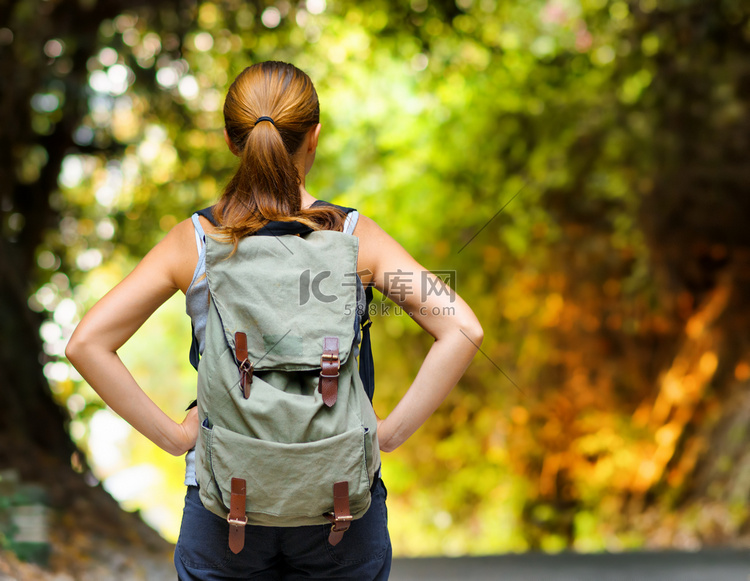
469, 326
71, 351
75, 349
473, 332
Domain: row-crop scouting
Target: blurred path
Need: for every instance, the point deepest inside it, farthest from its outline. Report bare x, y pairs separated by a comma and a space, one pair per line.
721, 565
715, 565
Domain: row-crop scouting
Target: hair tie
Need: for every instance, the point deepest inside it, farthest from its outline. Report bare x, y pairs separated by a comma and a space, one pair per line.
265, 119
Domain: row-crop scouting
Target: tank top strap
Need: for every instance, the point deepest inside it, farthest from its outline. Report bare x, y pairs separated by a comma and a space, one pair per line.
351, 222
200, 235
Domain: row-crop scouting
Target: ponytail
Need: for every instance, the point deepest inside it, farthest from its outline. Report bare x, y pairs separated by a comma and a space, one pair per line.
268, 112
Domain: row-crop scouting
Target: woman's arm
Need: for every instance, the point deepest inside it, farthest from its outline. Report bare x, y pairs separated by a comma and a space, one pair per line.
444, 315
92, 349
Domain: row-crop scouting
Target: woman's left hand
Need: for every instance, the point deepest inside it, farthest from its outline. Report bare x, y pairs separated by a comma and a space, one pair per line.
189, 431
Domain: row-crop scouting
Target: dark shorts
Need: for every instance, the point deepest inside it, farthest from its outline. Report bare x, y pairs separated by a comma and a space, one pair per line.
203, 554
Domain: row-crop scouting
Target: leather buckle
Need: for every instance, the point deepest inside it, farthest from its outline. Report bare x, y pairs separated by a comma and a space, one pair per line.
342, 529
246, 376
330, 364
341, 520
237, 522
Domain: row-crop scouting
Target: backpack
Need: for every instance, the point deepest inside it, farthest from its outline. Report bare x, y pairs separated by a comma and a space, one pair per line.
288, 435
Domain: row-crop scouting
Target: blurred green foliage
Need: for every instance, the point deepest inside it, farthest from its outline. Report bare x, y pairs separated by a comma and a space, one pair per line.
543, 151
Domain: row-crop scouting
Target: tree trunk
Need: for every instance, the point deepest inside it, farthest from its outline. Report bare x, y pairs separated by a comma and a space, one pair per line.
88, 526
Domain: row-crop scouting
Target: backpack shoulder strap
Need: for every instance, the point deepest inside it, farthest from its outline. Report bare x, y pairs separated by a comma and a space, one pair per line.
324, 203
208, 214
366, 363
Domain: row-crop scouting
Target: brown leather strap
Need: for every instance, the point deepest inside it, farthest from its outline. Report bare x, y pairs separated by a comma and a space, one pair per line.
237, 518
246, 368
342, 516
328, 384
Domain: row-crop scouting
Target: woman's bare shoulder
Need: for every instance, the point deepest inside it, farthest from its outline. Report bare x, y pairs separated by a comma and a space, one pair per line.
379, 252
178, 253
370, 230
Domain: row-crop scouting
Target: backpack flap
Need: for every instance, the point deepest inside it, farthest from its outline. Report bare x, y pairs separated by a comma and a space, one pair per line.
285, 294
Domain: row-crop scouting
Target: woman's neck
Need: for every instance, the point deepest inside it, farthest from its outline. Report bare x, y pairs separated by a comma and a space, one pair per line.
306, 199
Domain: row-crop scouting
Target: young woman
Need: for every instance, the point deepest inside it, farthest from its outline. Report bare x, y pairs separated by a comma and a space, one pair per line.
272, 125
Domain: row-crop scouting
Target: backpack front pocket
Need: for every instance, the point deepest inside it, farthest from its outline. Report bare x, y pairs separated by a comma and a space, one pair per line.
291, 484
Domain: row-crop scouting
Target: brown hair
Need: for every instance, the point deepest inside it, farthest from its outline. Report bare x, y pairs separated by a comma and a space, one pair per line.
267, 184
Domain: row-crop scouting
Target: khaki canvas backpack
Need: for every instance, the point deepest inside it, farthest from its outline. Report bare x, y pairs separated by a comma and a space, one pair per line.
288, 434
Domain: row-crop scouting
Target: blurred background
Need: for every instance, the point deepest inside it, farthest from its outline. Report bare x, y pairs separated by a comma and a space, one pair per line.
581, 166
